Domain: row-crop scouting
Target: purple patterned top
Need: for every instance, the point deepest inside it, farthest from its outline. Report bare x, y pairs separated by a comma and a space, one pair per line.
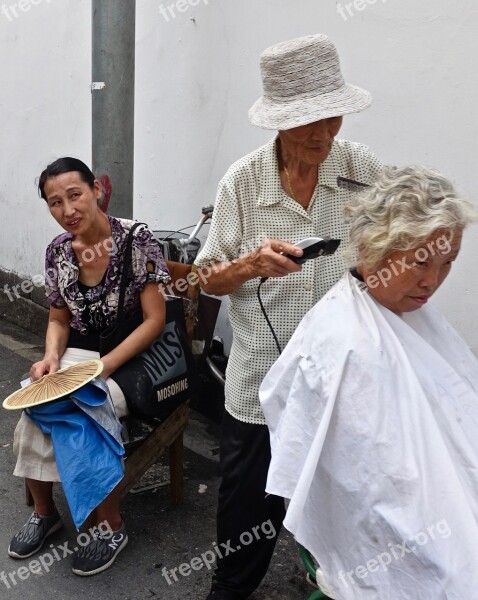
62, 271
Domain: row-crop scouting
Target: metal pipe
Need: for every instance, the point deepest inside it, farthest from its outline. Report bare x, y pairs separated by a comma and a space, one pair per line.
113, 63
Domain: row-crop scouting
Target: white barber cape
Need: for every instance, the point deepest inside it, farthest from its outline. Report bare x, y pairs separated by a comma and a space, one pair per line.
374, 435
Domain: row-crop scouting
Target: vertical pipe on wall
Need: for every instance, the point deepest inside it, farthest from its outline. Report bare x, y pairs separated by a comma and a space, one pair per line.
113, 63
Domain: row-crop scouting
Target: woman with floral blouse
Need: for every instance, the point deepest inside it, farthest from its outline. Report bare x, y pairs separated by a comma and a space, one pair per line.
82, 279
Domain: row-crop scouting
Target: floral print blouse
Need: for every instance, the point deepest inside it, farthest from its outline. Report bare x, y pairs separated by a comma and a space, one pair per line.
97, 307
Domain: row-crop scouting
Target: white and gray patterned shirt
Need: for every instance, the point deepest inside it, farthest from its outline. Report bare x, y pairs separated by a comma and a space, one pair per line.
251, 206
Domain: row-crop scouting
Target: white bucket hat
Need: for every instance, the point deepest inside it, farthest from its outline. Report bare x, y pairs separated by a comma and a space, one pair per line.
302, 84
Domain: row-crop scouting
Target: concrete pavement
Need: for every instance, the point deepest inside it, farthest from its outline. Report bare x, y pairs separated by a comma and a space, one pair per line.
159, 535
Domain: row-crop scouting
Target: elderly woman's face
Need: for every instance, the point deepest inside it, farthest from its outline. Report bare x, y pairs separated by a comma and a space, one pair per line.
407, 279
311, 143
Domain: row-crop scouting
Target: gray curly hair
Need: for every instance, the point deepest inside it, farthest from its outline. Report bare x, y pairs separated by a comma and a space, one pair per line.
402, 210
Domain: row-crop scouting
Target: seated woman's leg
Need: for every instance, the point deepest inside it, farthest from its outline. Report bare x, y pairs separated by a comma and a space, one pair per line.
108, 539
36, 463
109, 510
109, 535
42, 492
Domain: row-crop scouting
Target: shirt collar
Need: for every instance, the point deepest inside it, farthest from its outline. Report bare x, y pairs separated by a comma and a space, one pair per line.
271, 191
333, 166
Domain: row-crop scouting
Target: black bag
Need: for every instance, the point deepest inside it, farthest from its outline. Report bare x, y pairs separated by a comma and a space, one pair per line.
159, 379
113, 335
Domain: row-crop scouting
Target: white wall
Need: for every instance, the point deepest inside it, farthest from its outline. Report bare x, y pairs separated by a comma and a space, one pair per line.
45, 113
197, 75
196, 79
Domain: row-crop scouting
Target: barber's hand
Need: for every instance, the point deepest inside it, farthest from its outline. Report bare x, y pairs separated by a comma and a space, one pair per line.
269, 260
42, 367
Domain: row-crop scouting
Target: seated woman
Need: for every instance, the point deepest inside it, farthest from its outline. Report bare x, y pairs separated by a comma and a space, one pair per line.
373, 407
83, 273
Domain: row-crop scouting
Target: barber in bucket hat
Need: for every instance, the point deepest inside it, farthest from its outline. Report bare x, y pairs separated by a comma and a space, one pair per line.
277, 195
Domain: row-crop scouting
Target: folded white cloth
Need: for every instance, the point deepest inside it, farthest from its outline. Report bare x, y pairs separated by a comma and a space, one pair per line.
323, 585
374, 421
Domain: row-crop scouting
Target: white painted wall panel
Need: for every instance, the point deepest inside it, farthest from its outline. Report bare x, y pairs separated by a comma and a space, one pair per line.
45, 113
197, 75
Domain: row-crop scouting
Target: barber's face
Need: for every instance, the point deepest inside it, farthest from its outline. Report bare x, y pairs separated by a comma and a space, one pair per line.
408, 278
311, 143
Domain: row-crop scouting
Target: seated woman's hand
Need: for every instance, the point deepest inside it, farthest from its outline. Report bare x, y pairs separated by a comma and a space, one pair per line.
42, 367
105, 373
108, 366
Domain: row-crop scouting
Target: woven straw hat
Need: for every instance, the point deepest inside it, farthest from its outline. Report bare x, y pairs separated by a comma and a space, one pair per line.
54, 386
302, 84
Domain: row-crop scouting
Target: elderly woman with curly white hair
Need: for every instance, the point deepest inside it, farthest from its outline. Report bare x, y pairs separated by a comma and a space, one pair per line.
373, 407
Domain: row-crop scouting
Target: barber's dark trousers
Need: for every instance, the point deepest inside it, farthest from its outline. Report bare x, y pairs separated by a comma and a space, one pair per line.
246, 518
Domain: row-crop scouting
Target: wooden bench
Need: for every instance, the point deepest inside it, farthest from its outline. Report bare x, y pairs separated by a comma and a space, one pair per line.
169, 434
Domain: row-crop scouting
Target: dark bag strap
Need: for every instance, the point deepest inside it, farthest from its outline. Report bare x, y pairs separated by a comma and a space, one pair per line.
126, 266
